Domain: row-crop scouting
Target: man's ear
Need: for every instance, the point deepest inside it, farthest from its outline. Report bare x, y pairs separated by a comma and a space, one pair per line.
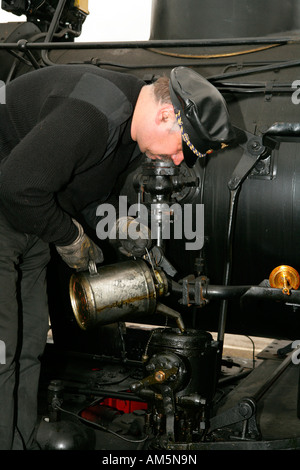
165, 114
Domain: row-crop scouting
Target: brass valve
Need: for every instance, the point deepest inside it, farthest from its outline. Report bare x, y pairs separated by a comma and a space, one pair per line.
285, 278
157, 377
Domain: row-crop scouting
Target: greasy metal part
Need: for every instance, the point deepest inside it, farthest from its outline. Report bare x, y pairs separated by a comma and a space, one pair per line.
190, 351
158, 376
160, 282
114, 292
181, 369
169, 409
160, 184
187, 185
55, 399
165, 181
198, 291
285, 278
243, 412
155, 181
168, 376
191, 400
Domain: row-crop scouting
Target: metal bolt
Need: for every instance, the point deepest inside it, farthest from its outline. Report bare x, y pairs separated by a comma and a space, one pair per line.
255, 145
160, 376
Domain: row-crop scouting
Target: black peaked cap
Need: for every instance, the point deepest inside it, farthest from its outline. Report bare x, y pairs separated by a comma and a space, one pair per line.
201, 112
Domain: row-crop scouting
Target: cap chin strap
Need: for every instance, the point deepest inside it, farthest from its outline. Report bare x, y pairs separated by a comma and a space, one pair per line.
186, 138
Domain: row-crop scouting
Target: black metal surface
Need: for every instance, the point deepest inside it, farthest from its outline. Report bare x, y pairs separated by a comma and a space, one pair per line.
226, 19
238, 422
197, 351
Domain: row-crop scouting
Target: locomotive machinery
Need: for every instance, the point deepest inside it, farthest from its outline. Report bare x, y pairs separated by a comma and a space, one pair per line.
135, 360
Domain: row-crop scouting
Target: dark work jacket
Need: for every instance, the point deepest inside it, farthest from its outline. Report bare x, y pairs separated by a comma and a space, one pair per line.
64, 140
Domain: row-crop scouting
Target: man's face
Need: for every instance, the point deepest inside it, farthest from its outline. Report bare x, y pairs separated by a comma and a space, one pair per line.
161, 144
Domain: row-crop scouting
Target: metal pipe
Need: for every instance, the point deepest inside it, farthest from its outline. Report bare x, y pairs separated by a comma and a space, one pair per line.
104, 393
225, 292
259, 292
273, 377
229, 292
169, 312
52, 28
152, 43
263, 68
234, 193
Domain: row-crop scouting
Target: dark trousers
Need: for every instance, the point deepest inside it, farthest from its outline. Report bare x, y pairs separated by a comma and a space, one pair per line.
23, 332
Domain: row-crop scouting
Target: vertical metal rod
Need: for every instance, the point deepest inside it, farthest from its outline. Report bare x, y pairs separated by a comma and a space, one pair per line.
228, 263
52, 29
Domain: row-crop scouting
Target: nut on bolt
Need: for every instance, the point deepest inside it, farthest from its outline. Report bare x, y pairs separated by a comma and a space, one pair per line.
160, 376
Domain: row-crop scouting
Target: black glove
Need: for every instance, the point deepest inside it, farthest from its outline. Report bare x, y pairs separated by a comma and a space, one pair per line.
133, 236
78, 254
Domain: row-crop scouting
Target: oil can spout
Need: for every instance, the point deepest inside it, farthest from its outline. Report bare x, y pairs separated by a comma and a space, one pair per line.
169, 312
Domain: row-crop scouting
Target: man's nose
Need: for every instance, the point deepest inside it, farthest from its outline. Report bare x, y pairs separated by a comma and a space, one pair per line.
177, 158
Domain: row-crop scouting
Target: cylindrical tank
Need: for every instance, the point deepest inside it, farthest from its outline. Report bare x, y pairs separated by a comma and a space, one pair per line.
11, 33
195, 19
194, 352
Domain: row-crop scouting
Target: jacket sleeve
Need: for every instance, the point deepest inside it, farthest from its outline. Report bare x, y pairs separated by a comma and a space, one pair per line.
67, 141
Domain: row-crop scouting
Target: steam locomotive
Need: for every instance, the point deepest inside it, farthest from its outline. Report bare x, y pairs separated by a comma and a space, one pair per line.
132, 363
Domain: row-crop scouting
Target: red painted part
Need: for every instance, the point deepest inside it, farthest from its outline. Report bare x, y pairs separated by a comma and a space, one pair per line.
95, 413
126, 406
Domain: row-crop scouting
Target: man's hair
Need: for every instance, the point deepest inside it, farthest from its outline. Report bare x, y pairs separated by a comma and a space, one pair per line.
161, 90
162, 95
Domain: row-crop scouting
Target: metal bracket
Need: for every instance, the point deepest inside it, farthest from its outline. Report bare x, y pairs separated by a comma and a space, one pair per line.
193, 290
169, 408
253, 150
244, 414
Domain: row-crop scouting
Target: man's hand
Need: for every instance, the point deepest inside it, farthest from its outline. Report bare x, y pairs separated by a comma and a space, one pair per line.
133, 236
78, 254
